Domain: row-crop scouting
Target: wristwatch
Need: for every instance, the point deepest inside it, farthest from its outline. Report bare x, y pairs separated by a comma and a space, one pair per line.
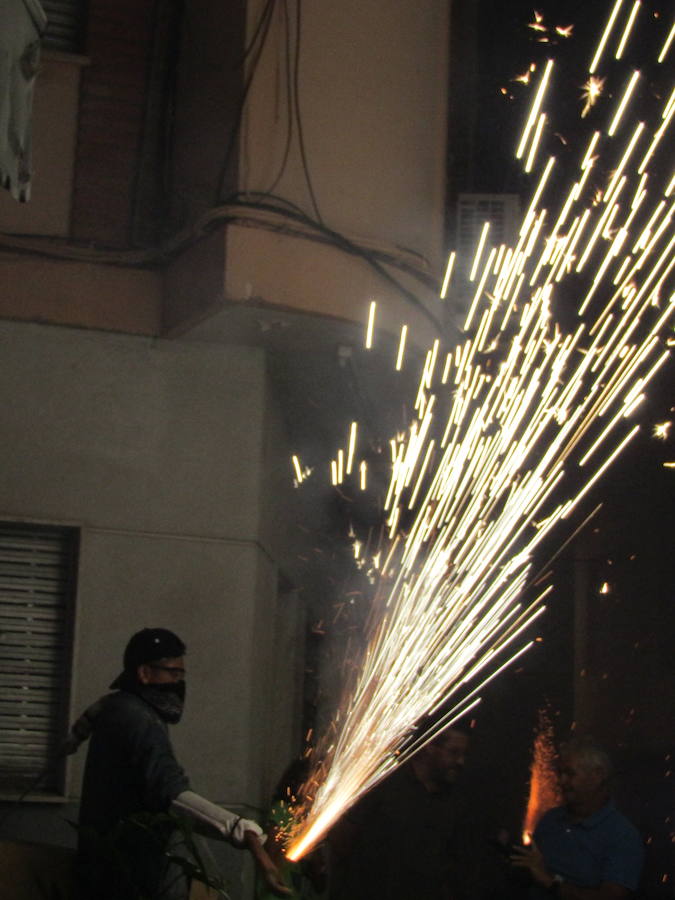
554, 889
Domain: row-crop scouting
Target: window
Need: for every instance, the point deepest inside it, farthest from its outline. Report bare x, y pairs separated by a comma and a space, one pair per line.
37, 577
65, 25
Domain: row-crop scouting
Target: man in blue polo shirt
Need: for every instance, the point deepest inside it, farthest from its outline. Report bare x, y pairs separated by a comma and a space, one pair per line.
586, 849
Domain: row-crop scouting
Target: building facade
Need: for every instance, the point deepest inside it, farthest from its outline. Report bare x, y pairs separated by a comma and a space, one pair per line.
218, 192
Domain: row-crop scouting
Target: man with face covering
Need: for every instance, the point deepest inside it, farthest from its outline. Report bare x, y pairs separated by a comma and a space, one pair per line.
131, 773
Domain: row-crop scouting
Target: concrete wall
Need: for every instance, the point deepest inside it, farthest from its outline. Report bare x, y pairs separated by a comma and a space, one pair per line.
66, 292
372, 92
265, 267
372, 96
156, 450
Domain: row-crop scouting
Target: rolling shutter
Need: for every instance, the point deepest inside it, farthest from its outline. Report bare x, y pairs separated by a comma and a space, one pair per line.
65, 25
36, 581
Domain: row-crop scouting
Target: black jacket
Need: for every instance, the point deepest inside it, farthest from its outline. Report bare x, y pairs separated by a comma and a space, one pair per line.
130, 773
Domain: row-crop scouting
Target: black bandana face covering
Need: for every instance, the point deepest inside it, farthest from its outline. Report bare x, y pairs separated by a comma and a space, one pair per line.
167, 699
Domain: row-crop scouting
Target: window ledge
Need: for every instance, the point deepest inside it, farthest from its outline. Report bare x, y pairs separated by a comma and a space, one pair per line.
34, 798
75, 59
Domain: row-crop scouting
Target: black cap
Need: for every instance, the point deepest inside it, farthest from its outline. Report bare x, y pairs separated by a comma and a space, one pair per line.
147, 646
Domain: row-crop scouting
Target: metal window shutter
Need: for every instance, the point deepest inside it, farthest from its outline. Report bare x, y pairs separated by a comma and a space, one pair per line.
65, 25
35, 574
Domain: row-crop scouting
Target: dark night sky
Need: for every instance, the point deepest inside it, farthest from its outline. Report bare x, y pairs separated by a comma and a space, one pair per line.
629, 695
506, 47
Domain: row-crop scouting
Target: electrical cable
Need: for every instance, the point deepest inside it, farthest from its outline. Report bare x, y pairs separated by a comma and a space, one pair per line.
292, 97
240, 208
267, 9
284, 204
348, 246
293, 211
264, 24
298, 116
289, 100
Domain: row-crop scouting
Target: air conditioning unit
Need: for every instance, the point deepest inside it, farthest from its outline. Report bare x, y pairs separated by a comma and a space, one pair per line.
502, 211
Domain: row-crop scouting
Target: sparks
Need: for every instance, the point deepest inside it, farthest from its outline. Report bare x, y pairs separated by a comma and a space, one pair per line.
535, 143
538, 24
483, 473
544, 793
298, 469
534, 109
448, 273
590, 92
479, 250
605, 35
524, 78
370, 325
666, 46
627, 30
623, 103
352, 446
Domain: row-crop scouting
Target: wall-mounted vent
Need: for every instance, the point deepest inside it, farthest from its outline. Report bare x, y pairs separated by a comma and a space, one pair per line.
502, 211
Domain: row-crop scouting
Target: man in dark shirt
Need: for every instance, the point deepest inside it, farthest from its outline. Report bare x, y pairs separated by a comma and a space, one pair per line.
132, 777
399, 841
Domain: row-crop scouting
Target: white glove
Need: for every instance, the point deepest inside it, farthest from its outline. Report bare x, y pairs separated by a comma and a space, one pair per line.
216, 821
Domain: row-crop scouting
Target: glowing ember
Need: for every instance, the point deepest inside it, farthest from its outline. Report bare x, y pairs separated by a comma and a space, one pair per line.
483, 472
524, 78
538, 24
544, 790
662, 430
590, 93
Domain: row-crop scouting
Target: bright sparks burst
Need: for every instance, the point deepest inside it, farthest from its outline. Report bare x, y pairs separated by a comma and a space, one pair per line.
512, 429
661, 430
524, 78
538, 23
591, 92
544, 792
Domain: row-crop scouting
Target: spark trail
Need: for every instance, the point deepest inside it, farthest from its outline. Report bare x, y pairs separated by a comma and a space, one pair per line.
544, 791
515, 425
